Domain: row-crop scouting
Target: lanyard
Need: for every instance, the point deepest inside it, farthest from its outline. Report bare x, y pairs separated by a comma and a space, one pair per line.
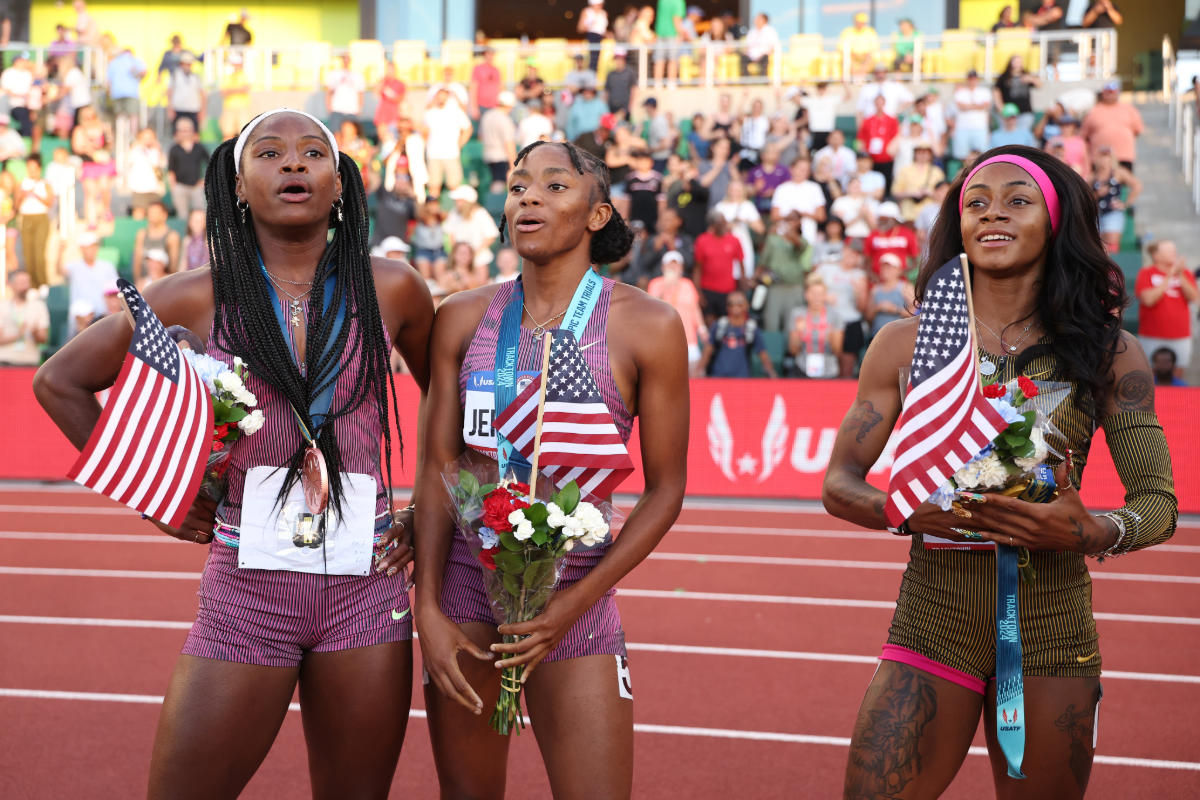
817, 345
1010, 689
504, 387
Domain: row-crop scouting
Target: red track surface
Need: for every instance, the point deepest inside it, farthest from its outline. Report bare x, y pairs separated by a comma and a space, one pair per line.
747, 724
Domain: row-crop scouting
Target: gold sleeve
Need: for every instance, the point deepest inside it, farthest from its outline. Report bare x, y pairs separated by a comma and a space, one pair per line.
1139, 452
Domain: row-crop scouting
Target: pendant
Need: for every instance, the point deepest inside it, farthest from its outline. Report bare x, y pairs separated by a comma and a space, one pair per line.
538, 331
314, 480
1012, 348
986, 367
297, 317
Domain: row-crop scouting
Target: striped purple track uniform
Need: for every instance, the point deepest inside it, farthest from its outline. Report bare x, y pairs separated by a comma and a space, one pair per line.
464, 598
272, 617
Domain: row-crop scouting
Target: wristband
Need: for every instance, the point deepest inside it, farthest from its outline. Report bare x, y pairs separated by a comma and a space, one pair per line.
901, 530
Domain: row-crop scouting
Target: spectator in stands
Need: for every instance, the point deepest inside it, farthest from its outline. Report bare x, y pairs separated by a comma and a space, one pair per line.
86, 31
508, 265
1050, 123
662, 136
891, 236
448, 130
154, 266
531, 86
24, 322
459, 93
902, 149
859, 46
344, 89
622, 26
538, 124
1074, 147
185, 97
193, 250
842, 160
498, 135
761, 42
125, 73
428, 240
905, 45
581, 74
352, 142
846, 284
144, 172
471, 223
1010, 130
186, 162
685, 194
485, 85
391, 96
1164, 288
719, 269
1015, 87
407, 159
1005, 20
235, 98
645, 189
892, 298
586, 111
666, 34
875, 135
61, 46
822, 175
620, 160
620, 84
17, 85
755, 127
719, 39
593, 24
873, 182
856, 210
829, 247
1115, 124
802, 195
462, 269
732, 339
929, 212
1103, 14
680, 293
395, 206
896, 96
784, 266
598, 141
815, 335
766, 177
157, 235
971, 122
88, 277
172, 57
33, 202
821, 106
667, 236
743, 219
1163, 362
1116, 191
75, 92
92, 141
11, 143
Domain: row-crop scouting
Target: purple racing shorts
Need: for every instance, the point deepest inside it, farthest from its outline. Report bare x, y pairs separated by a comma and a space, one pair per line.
596, 633
273, 617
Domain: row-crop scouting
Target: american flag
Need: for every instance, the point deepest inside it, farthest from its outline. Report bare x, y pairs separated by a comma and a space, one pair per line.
579, 440
946, 420
150, 446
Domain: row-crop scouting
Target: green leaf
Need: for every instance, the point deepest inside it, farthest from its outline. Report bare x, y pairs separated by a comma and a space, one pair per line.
541, 535
1025, 451
570, 496
511, 585
536, 513
539, 573
468, 482
510, 562
236, 414
486, 488
509, 542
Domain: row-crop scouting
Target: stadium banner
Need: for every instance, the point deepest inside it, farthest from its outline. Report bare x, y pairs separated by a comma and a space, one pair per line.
749, 438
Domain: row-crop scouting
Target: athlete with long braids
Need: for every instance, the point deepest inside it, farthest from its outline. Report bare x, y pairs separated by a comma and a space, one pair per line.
578, 688
1048, 302
314, 318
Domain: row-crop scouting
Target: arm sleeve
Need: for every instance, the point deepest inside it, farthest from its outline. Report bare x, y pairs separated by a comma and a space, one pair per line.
1139, 452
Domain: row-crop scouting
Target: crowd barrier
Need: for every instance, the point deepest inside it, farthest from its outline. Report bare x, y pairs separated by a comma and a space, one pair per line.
749, 439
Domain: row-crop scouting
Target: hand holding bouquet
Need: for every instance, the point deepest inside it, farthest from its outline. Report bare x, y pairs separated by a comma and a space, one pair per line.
234, 414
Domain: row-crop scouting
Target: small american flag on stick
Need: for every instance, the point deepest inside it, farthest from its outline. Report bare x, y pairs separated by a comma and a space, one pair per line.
579, 441
946, 420
149, 448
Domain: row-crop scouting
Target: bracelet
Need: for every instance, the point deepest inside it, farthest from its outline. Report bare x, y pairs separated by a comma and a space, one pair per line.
900, 530
1112, 549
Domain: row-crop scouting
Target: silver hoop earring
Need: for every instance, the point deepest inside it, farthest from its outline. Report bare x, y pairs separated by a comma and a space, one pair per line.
337, 206
243, 207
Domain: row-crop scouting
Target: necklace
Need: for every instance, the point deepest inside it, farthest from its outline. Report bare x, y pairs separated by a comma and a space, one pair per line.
1012, 348
295, 310
278, 279
540, 327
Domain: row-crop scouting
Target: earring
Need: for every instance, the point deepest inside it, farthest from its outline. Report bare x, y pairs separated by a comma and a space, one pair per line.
337, 205
243, 207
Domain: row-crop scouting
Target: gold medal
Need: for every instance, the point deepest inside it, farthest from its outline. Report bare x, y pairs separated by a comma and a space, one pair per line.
314, 479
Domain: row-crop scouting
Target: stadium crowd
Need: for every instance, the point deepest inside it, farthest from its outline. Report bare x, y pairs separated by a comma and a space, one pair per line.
784, 231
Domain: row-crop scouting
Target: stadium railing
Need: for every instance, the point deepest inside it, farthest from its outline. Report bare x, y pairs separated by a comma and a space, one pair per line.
1183, 113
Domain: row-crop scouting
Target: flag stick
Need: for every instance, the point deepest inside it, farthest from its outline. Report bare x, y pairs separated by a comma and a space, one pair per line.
966, 273
548, 338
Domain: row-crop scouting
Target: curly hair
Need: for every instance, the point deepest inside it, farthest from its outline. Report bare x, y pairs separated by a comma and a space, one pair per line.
1082, 292
613, 241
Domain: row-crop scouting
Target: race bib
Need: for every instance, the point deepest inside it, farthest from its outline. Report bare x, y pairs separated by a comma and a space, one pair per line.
287, 537
814, 365
479, 410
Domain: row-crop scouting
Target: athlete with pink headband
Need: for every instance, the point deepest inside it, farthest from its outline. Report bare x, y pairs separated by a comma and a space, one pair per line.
1047, 302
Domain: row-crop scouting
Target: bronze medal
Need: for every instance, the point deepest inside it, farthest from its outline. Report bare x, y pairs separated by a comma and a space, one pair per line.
314, 479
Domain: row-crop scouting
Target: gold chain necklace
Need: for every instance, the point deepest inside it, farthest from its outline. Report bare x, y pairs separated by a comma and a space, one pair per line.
295, 309
540, 327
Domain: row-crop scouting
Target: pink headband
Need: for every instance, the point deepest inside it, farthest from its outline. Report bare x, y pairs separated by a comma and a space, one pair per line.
1037, 173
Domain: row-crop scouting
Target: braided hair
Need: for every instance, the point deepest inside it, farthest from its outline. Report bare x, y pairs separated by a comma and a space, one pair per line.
610, 243
245, 323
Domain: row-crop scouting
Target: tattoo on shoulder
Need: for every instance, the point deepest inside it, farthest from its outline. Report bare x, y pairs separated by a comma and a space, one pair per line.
885, 754
1135, 391
864, 417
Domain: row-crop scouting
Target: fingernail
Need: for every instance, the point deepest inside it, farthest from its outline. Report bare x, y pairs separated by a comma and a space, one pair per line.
392, 571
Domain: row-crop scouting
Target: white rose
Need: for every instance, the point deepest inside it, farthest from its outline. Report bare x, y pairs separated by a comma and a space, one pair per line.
571, 528
556, 518
251, 422
523, 531
991, 472
237, 362
245, 397
516, 517
230, 382
967, 476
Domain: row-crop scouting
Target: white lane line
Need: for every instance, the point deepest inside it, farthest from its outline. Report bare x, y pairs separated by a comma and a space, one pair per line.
89, 510
65, 572
88, 538
666, 730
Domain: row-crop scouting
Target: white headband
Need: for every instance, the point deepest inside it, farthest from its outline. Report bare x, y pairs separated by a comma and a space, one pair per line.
245, 135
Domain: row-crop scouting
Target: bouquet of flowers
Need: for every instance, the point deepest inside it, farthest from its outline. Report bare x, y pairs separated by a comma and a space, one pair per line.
234, 414
1012, 464
521, 542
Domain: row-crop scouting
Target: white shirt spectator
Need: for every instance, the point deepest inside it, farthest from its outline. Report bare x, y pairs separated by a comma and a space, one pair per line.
61, 176
895, 96
971, 120
804, 197
445, 125
79, 93
457, 91
37, 197
477, 229
187, 91
843, 159
754, 131
822, 111
17, 84
346, 87
761, 41
145, 165
594, 20
11, 144
847, 209
497, 134
842, 285
935, 120
534, 127
88, 283
739, 216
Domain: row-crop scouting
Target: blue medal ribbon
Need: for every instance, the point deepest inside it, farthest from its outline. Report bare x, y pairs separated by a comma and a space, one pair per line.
1010, 687
508, 342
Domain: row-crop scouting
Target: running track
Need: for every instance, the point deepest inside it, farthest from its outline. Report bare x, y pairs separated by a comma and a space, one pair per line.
753, 631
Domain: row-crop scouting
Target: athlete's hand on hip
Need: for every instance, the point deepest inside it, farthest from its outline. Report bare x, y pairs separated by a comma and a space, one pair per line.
197, 526
540, 635
396, 550
441, 642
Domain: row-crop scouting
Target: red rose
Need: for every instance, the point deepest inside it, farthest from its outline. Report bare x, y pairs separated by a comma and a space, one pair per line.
485, 558
518, 487
519, 503
495, 512
218, 445
1028, 387
994, 390
221, 431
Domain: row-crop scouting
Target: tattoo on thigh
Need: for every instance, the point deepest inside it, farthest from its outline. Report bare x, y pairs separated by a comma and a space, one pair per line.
1077, 725
885, 754
864, 417
1135, 391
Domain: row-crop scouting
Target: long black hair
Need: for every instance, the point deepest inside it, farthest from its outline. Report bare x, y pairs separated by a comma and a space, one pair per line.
613, 241
245, 323
1082, 292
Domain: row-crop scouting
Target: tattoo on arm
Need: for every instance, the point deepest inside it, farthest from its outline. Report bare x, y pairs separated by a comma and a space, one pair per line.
885, 752
1135, 391
1077, 725
1087, 542
864, 417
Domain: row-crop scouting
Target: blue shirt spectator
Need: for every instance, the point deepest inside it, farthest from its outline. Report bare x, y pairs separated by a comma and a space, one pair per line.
585, 112
125, 74
1010, 130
